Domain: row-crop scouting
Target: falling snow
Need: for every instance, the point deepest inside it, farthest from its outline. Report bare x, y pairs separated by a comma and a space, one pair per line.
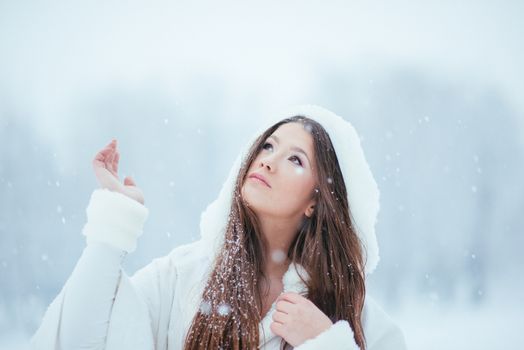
308, 127
278, 256
224, 309
205, 307
436, 146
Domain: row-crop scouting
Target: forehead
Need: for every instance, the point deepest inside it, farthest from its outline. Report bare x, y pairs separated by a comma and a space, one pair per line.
296, 135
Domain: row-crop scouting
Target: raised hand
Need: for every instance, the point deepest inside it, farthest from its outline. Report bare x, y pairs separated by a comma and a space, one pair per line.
105, 166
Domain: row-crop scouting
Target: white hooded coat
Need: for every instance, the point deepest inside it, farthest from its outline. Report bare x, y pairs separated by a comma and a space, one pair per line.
100, 307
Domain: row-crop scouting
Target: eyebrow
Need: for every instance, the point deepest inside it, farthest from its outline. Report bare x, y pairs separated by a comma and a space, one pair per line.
294, 148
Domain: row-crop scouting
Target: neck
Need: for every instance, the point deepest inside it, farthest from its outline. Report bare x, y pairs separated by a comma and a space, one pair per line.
279, 234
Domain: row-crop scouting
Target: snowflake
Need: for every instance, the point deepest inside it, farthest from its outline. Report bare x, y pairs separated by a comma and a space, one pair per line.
224, 309
278, 256
205, 307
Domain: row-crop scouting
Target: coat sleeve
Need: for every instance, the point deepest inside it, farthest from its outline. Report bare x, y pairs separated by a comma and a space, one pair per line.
100, 307
338, 336
380, 331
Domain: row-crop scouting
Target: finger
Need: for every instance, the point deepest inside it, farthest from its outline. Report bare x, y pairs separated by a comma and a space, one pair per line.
115, 162
277, 328
292, 297
280, 317
284, 306
128, 181
109, 161
101, 156
110, 147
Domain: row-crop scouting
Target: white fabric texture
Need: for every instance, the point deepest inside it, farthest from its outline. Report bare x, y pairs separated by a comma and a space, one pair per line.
100, 307
338, 336
120, 231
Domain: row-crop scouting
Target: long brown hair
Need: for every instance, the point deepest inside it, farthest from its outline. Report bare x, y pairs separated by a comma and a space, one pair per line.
229, 315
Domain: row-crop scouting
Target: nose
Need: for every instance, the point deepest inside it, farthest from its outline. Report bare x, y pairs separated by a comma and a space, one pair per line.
267, 162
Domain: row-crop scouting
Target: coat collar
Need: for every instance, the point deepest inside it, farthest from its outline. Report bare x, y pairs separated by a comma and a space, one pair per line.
292, 283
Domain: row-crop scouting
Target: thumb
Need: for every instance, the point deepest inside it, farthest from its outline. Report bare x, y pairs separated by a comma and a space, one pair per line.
128, 181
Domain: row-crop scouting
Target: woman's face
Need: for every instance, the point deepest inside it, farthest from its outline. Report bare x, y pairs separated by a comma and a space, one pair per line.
286, 170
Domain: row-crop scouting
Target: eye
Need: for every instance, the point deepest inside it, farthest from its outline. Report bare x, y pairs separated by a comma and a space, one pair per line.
267, 145
299, 162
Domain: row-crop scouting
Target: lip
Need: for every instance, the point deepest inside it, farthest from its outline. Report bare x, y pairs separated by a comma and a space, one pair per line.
261, 178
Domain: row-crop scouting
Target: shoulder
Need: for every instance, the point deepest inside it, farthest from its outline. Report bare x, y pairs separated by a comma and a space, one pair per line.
189, 254
185, 262
180, 261
381, 331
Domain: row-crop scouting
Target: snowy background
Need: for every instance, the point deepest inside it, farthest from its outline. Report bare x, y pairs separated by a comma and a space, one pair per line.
435, 88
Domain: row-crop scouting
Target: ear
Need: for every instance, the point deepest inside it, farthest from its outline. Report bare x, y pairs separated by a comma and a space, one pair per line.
310, 209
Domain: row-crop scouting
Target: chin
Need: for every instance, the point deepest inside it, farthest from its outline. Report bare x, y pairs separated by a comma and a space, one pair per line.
258, 202
251, 201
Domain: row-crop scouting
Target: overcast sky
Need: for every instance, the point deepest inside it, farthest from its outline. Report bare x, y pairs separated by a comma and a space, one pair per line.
53, 52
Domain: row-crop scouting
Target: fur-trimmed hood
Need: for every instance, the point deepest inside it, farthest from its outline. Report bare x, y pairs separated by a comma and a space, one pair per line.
362, 189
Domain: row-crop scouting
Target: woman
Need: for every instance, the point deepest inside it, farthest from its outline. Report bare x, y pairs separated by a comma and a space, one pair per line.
281, 264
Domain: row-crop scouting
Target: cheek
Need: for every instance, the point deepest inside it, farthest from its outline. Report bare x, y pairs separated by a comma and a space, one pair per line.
297, 185
300, 176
